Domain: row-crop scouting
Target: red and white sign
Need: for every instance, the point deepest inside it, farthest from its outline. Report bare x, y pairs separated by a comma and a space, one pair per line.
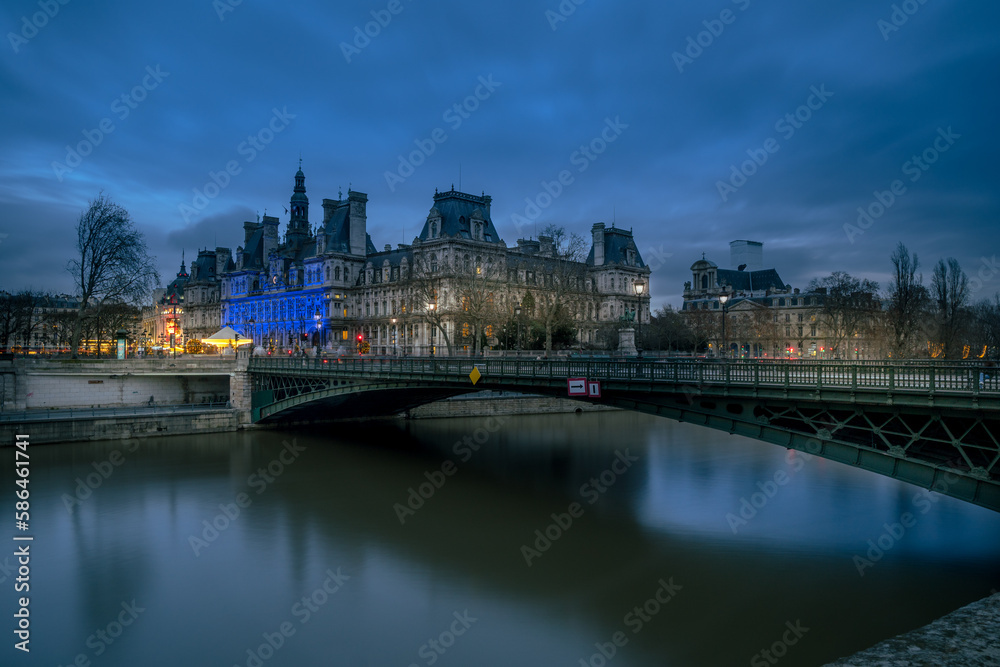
577, 386
594, 388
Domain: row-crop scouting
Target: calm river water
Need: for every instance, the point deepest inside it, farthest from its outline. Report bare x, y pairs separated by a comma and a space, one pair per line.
415, 543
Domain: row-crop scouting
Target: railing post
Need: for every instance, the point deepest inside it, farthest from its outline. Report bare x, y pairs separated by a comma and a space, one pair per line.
854, 378
931, 379
892, 378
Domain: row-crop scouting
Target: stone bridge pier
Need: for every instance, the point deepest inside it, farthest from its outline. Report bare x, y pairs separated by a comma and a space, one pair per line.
241, 387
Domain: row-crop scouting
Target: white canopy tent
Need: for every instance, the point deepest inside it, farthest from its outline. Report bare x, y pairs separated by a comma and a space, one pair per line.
226, 337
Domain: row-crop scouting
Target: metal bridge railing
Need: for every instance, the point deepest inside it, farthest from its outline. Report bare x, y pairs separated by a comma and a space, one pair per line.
892, 376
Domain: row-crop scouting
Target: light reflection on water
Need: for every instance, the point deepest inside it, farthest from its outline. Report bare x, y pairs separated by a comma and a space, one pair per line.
333, 507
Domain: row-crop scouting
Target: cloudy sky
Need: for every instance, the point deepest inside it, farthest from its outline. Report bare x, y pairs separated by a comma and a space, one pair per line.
693, 123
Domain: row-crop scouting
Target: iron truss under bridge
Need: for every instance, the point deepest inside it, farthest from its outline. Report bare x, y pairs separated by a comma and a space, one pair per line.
931, 424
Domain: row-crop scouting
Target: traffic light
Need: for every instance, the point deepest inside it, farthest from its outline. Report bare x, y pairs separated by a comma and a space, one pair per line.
360, 338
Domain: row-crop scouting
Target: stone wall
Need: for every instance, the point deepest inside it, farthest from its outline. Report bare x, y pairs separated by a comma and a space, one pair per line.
99, 391
119, 428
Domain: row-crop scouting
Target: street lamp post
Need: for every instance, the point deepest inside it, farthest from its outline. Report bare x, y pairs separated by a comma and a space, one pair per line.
430, 326
392, 340
319, 328
517, 328
639, 288
725, 348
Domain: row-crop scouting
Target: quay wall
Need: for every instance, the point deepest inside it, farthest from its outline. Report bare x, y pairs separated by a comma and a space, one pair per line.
968, 636
122, 427
106, 391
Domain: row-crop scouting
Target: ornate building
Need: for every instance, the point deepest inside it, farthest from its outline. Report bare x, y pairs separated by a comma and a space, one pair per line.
764, 316
162, 323
202, 292
456, 287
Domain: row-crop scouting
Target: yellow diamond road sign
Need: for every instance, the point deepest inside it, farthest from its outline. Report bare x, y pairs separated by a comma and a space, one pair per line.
475, 375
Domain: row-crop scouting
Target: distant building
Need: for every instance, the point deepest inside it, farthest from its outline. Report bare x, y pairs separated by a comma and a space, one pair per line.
202, 293
454, 287
764, 316
162, 323
37, 322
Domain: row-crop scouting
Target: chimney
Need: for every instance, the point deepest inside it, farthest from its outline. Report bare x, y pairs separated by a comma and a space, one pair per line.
547, 245
222, 257
329, 206
270, 235
358, 222
248, 229
598, 232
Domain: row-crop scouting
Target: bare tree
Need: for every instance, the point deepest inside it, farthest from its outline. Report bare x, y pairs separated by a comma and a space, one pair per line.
26, 322
667, 330
429, 293
950, 291
113, 262
563, 280
986, 316
908, 301
479, 286
848, 306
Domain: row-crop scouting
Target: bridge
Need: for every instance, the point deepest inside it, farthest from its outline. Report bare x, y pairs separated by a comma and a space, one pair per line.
932, 424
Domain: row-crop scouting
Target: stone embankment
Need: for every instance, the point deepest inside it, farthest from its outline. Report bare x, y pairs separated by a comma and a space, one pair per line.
969, 637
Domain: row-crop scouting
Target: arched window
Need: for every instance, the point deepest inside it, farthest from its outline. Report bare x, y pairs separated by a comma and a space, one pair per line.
704, 281
468, 266
328, 273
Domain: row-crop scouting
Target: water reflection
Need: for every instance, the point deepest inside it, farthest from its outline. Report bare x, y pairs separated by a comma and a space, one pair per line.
663, 517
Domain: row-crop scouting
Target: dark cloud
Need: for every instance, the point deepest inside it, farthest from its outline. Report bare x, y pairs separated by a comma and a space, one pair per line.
221, 82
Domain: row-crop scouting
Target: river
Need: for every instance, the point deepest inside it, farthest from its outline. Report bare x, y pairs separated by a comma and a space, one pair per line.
581, 539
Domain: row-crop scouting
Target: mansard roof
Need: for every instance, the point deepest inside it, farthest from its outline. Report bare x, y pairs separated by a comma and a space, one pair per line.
338, 231
616, 243
456, 210
765, 279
